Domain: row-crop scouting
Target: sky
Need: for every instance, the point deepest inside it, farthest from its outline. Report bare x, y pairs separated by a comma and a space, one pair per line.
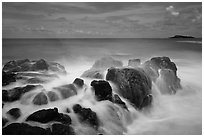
101, 19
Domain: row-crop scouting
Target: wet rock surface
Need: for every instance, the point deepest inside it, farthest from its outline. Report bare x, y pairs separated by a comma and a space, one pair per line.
8, 78
66, 91
15, 113
116, 99
49, 115
86, 115
93, 73
134, 62
52, 96
40, 99
79, 82
103, 90
61, 129
4, 121
133, 84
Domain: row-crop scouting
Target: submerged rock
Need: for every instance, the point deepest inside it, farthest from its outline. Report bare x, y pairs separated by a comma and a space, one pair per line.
61, 129
52, 96
134, 62
93, 73
66, 91
8, 78
133, 84
4, 121
15, 113
40, 99
23, 129
103, 90
48, 115
117, 100
15, 93
86, 115
79, 82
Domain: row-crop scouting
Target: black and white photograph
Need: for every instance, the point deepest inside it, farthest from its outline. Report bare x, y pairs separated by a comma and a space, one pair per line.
102, 68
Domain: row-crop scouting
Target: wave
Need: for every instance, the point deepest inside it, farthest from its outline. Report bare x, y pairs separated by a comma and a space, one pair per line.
196, 42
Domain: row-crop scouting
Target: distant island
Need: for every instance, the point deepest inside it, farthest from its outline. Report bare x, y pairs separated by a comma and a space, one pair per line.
181, 36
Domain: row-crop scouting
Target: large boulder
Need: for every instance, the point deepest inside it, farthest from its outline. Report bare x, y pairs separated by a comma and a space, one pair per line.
15, 113
52, 96
99, 67
40, 99
15, 93
133, 84
27, 65
134, 62
23, 129
48, 115
168, 73
66, 91
103, 90
86, 115
61, 129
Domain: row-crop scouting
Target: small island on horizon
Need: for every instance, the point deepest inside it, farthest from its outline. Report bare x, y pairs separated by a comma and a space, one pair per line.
181, 36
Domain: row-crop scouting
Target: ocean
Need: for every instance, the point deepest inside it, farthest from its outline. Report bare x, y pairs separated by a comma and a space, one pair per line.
177, 114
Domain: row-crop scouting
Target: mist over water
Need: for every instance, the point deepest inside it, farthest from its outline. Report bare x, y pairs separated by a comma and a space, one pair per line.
169, 114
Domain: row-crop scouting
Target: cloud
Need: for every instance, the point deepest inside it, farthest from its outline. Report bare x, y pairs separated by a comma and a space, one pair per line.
172, 11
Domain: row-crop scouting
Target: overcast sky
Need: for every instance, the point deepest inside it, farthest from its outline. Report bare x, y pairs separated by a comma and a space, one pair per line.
101, 20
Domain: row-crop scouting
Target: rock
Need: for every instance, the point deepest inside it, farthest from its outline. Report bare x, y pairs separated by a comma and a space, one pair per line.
86, 115
23, 129
117, 100
146, 101
15, 113
66, 91
133, 84
35, 81
181, 36
48, 115
40, 99
27, 65
52, 96
60, 129
15, 93
167, 82
107, 62
68, 110
103, 90
8, 78
134, 62
79, 82
4, 121
93, 73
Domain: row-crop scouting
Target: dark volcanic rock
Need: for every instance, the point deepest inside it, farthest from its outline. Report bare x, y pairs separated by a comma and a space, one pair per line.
40, 99
86, 115
66, 91
134, 62
7, 78
93, 73
23, 129
27, 65
60, 129
4, 121
79, 82
16, 93
52, 96
103, 90
117, 100
153, 66
133, 84
15, 113
48, 115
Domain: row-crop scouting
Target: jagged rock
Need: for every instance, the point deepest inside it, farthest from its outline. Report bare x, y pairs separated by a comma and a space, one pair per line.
15, 113
52, 96
66, 91
117, 100
93, 73
27, 65
86, 115
60, 129
15, 93
100, 66
103, 90
169, 70
134, 62
4, 121
40, 99
48, 115
79, 82
8, 78
23, 129
133, 84
167, 82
